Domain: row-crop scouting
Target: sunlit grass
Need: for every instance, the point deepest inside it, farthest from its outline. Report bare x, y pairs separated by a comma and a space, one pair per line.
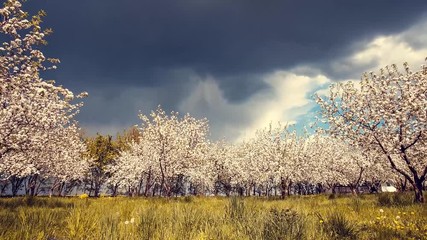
303, 217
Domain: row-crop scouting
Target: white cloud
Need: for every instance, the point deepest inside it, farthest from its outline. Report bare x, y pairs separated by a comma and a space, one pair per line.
408, 46
291, 97
287, 98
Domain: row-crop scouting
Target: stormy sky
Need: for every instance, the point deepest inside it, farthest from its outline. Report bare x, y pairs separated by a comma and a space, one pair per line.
242, 64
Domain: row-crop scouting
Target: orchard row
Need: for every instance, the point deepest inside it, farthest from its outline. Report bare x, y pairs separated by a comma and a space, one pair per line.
373, 130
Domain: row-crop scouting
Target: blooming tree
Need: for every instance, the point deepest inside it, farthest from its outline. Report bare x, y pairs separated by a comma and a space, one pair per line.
219, 158
63, 161
334, 162
277, 152
387, 114
132, 169
35, 115
169, 149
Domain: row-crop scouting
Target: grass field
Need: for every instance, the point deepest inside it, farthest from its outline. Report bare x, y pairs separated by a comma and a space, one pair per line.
384, 216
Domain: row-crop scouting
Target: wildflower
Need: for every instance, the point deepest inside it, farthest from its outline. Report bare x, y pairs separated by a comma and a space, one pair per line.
126, 222
381, 210
321, 221
397, 217
132, 220
412, 213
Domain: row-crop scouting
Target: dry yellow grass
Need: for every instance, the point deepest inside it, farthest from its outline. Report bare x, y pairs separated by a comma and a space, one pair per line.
298, 217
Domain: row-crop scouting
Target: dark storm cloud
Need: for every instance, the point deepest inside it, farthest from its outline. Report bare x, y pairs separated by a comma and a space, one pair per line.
118, 104
223, 38
110, 46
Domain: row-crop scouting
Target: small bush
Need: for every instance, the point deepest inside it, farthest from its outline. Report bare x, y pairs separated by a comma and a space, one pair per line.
284, 224
385, 199
403, 199
188, 199
394, 199
337, 226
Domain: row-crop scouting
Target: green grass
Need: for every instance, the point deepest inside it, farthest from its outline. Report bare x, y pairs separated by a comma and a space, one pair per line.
305, 217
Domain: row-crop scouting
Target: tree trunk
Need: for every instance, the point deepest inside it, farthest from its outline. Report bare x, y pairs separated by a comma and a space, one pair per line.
96, 190
289, 188
114, 190
283, 188
320, 188
52, 188
148, 184
29, 185
334, 190
3, 187
153, 193
16, 183
140, 187
61, 188
403, 184
254, 189
34, 185
418, 187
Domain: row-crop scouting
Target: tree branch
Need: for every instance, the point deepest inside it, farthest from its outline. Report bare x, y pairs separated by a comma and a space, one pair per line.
393, 165
415, 141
